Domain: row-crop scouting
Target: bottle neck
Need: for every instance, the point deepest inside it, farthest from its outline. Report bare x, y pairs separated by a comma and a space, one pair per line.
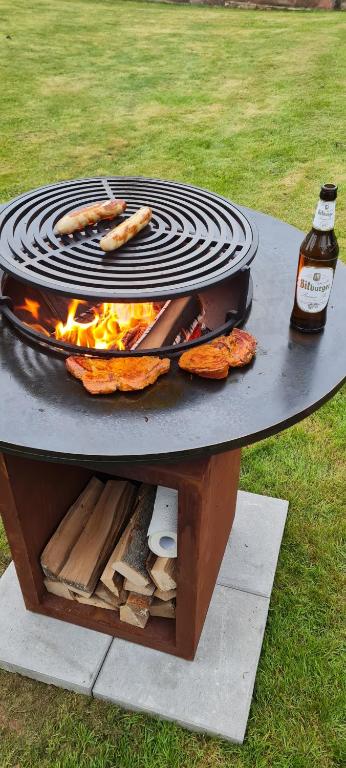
324, 216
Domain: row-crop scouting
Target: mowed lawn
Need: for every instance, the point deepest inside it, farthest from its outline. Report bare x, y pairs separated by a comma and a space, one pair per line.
252, 105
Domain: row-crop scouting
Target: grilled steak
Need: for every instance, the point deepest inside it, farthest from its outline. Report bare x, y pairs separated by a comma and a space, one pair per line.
213, 360
206, 360
242, 348
101, 377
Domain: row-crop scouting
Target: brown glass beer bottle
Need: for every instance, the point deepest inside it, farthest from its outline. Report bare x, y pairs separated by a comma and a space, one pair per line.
317, 261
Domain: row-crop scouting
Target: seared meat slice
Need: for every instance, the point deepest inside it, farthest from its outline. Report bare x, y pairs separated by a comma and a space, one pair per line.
240, 346
79, 366
206, 360
213, 360
123, 373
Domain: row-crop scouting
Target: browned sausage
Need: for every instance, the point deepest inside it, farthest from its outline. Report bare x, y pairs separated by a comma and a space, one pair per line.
127, 229
84, 217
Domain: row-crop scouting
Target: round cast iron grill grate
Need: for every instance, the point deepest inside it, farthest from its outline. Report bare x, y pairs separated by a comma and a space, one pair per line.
195, 239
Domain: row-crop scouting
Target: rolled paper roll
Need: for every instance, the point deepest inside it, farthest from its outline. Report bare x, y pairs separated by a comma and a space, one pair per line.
163, 528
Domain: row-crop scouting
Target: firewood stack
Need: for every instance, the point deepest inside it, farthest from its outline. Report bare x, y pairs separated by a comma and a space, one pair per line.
99, 554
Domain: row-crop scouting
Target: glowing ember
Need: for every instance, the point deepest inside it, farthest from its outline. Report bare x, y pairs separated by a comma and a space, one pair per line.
108, 326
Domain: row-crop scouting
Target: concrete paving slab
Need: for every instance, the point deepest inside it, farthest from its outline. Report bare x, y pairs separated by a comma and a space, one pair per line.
211, 694
252, 551
46, 649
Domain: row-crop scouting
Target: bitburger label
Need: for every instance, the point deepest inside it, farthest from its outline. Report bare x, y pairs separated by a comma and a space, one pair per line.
325, 216
313, 288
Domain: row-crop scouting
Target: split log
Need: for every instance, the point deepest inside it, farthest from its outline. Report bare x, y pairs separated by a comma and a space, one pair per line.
112, 580
169, 595
59, 547
57, 588
147, 589
162, 571
136, 610
108, 597
93, 601
84, 566
166, 610
131, 553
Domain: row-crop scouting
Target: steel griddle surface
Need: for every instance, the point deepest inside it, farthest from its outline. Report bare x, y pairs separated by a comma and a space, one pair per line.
47, 413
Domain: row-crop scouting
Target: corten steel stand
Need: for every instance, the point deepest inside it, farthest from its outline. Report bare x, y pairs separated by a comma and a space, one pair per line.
184, 432
34, 496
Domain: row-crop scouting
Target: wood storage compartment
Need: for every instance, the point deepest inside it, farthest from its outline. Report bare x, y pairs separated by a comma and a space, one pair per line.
35, 496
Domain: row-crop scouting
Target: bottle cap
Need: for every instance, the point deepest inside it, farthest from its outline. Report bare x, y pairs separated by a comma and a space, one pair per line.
328, 192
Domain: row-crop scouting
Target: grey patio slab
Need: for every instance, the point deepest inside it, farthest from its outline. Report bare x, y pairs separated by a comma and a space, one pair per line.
211, 694
46, 649
252, 551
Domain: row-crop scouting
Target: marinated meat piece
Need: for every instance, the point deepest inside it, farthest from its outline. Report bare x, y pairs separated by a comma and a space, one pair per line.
126, 373
206, 360
79, 366
213, 360
240, 346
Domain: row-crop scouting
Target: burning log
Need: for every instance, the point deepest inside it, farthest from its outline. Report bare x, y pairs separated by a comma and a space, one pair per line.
123, 326
132, 337
106, 326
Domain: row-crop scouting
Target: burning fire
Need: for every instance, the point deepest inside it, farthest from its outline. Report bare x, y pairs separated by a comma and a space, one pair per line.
107, 326
110, 327
33, 308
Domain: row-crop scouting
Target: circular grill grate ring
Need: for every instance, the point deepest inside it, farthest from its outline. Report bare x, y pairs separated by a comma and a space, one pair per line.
195, 239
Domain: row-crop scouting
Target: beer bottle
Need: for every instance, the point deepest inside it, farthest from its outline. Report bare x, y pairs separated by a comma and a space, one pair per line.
317, 261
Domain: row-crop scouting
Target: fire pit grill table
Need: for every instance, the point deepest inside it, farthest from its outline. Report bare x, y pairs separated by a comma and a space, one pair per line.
184, 432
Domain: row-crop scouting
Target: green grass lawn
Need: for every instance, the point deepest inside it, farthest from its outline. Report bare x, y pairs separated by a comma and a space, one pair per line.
251, 105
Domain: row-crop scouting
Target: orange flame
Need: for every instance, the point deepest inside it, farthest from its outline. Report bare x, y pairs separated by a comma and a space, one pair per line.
32, 307
102, 327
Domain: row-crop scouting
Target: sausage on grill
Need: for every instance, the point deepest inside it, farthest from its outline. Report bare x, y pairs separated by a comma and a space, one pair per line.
89, 215
127, 229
